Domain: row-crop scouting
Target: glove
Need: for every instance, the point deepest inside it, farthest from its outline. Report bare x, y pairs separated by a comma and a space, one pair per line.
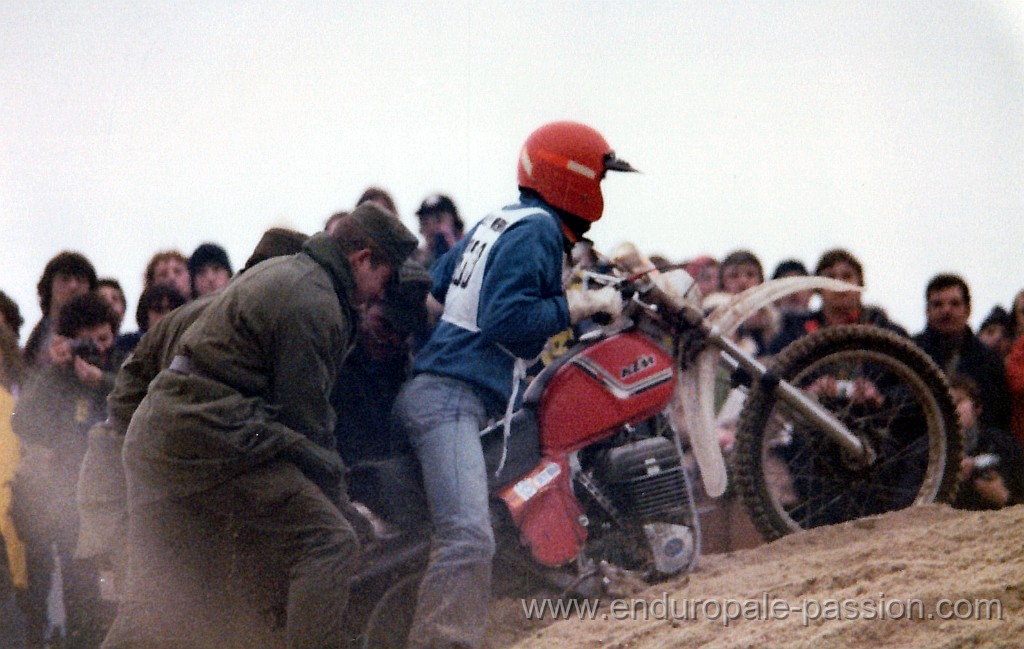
584, 303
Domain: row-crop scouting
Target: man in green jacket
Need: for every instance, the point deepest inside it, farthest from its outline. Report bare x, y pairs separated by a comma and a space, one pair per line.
232, 451
102, 493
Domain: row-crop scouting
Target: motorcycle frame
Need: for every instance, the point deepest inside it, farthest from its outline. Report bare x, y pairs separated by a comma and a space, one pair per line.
674, 302
794, 398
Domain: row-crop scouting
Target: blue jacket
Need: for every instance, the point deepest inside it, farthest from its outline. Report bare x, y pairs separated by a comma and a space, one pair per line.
521, 305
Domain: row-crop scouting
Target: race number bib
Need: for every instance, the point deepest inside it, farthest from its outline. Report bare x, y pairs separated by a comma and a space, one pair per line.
462, 303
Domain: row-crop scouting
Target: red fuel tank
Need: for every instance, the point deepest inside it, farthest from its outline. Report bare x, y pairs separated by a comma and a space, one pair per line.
625, 378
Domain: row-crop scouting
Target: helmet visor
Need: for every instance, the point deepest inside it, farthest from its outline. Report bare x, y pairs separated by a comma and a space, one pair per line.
611, 163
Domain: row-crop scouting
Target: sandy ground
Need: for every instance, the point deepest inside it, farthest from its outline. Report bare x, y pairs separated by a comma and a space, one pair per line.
959, 575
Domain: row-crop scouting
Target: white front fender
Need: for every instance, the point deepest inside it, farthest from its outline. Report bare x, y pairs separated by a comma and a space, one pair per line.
692, 406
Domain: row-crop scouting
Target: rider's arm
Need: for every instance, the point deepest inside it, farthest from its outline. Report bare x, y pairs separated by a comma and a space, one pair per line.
522, 300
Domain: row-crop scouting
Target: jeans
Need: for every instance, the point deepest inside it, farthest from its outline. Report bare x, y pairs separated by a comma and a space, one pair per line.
443, 418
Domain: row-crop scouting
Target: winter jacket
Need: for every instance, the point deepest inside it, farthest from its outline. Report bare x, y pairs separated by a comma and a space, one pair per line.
521, 302
971, 358
797, 325
362, 398
262, 359
1015, 385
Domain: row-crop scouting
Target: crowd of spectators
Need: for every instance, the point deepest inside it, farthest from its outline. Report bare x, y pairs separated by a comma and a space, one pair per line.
61, 375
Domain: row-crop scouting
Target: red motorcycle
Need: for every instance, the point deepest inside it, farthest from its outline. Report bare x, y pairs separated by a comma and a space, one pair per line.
591, 479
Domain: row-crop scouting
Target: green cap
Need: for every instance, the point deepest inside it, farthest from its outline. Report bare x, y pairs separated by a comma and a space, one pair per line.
393, 239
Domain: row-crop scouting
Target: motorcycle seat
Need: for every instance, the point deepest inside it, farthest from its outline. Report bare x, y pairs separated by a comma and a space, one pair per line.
523, 452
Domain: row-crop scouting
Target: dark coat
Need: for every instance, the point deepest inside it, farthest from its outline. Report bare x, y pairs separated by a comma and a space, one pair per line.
362, 398
264, 356
797, 325
970, 357
1011, 467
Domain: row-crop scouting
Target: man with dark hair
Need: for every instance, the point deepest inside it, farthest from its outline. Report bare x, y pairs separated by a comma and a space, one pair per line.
799, 301
110, 290
992, 470
58, 405
155, 302
440, 226
380, 362
837, 307
209, 268
840, 255
233, 447
948, 339
65, 276
368, 384
741, 270
994, 331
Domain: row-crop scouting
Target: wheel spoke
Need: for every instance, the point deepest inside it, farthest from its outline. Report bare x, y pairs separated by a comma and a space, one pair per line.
793, 476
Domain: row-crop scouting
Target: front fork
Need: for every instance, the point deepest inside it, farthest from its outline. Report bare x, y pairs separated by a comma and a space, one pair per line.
795, 398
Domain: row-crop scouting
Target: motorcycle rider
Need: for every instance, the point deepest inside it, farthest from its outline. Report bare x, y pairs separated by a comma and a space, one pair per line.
503, 296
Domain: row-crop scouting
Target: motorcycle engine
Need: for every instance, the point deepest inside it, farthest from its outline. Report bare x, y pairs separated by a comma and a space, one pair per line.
647, 483
644, 479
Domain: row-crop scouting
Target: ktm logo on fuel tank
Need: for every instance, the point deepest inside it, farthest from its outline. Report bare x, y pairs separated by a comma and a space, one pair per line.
639, 365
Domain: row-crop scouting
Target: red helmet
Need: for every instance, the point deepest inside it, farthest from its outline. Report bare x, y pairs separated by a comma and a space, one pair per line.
565, 162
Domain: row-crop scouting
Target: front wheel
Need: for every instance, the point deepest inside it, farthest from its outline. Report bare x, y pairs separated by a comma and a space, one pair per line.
792, 476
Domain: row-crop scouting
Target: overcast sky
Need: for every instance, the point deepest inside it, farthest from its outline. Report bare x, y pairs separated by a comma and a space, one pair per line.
895, 129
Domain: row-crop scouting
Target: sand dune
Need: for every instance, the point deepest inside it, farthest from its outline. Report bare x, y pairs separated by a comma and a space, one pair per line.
958, 575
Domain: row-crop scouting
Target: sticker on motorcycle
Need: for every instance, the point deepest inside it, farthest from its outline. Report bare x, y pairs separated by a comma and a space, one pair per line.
529, 486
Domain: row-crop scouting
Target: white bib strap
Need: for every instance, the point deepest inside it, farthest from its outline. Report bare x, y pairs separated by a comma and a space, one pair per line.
518, 376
